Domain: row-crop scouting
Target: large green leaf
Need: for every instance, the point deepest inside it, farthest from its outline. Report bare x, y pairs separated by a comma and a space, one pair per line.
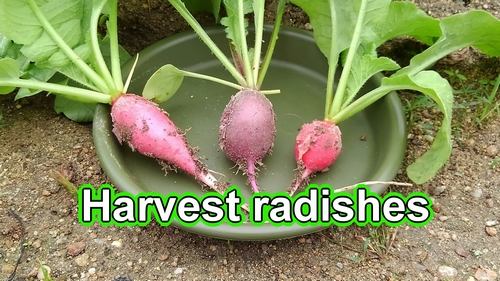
404, 18
438, 89
19, 23
343, 21
475, 28
9, 68
163, 84
365, 64
76, 111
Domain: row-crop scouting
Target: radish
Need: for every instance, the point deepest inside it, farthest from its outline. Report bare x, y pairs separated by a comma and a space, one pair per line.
247, 130
317, 147
136, 121
248, 123
147, 129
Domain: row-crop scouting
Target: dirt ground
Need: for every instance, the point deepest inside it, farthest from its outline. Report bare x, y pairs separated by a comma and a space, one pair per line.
460, 243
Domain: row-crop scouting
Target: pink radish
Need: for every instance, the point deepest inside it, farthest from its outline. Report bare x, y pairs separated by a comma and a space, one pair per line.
247, 131
136, 121
147, 129
317, 146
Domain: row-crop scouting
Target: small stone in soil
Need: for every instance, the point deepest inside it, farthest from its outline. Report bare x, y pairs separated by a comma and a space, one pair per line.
491, 223
76, 248
37, 244
436, 207
483, 274
439, 189
163, 257
492, 150
489, 202
478, 192
419, 267
443, 218
461, 252
82, 260
116, 244
447, 271
491, 231
178, 271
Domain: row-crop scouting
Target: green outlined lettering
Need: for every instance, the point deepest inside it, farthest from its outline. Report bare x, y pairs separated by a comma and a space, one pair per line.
305, 206
343, 212
420, 209
233, 202
188, 210
316, 205
280, 211
124, 210
214, 213
368, 206
394, 209
90, 202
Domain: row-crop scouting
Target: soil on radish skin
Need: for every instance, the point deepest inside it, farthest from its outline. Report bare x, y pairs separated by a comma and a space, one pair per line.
36, 141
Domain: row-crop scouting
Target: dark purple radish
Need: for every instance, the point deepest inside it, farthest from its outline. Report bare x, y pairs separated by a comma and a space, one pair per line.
247, 131
147, 129
317, 146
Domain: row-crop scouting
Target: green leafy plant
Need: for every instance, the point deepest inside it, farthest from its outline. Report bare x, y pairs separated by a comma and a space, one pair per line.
45, 273
348, 35
494, 163
489, 105
380, 240
480, 95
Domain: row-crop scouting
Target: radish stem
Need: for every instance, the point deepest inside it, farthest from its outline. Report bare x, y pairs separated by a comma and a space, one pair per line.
100, 63
113, 44
272, 43
244, 51
339, 94
210, 78
68, 91
89, 72
259, 29
332, 62
181, 8
366, 100
129, 78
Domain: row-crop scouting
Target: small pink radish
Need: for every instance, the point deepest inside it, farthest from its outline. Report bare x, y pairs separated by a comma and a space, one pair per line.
317, 146
147, 129
247, 130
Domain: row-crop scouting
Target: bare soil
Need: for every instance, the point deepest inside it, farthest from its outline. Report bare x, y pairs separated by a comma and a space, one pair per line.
462, 239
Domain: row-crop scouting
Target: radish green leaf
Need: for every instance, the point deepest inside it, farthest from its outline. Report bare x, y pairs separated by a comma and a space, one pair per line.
9, 68
76, 111
475, 28
163, 84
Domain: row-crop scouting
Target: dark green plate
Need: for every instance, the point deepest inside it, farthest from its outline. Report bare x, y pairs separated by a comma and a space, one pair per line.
299, 69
